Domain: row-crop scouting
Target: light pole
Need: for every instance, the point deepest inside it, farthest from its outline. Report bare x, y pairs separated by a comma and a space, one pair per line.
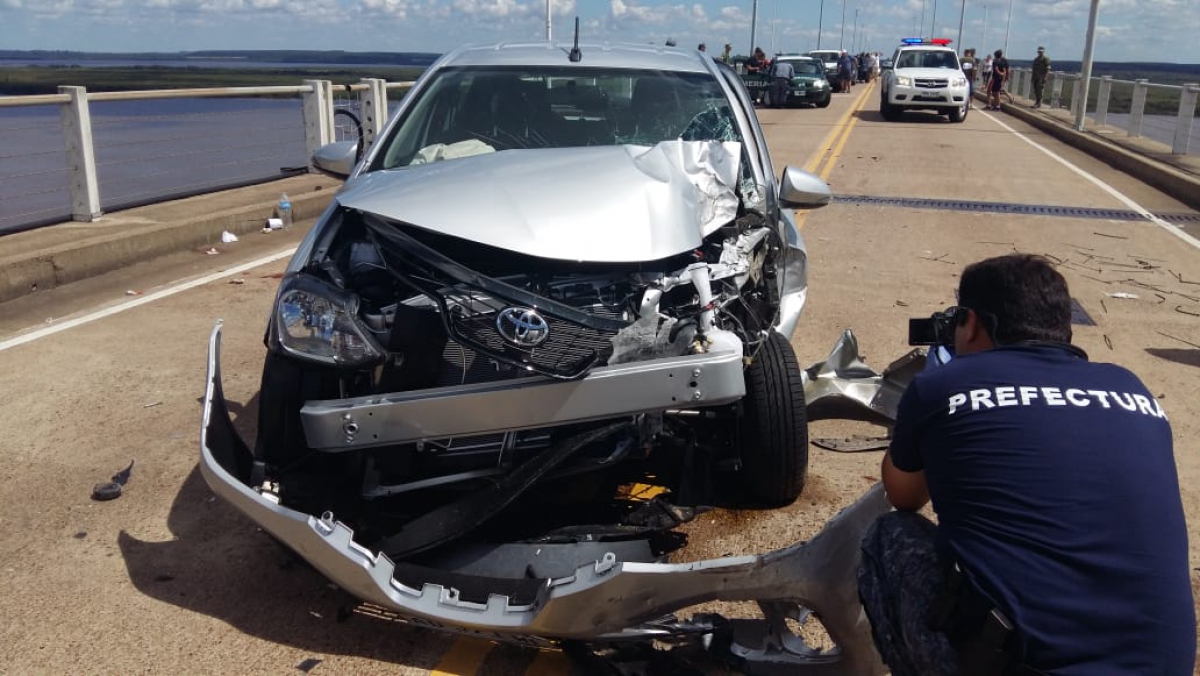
854, 33
922, 18
842, 37
1086, 75
933, 22
548, 4
753, 25
962, 15
820, 23
983, 38
1008, 30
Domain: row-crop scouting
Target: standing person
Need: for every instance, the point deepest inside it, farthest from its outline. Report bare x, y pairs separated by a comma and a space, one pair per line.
999, 78
969, 62
1061, 545
845, 70
757, 61
727, 55
1041, 68
781, 83
985, 74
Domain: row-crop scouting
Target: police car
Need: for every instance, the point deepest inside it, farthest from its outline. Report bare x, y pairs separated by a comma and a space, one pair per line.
925, 75
809, 84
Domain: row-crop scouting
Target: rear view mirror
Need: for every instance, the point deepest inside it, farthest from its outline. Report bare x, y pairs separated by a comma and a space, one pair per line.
803, 190
336, 159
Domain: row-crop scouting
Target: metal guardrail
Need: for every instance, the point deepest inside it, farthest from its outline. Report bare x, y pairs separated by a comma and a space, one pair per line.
1127, 112
79, 167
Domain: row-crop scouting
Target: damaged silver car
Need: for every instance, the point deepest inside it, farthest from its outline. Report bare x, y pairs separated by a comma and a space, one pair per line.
558, 274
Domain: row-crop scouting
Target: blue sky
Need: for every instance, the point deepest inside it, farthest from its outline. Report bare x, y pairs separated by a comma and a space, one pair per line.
1129, 30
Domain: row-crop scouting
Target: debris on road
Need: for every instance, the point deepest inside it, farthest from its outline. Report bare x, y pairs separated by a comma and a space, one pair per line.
853, 444
131, 292
1122, 294
1185, 342
308, 664
212, 252
228, 237
239, 280
111, 490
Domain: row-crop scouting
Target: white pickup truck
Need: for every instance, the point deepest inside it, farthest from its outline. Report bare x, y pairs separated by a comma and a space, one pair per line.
925, 75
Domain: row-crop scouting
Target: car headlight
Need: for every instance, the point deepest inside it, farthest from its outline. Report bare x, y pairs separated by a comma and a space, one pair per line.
960, 82
318, 322
903, 81
819, 84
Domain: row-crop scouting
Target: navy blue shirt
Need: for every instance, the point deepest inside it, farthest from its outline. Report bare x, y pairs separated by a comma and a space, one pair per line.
1055, 487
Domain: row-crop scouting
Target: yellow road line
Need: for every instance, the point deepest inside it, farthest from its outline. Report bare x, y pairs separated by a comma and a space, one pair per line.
464, 657
838, 128
550, 663
836, 139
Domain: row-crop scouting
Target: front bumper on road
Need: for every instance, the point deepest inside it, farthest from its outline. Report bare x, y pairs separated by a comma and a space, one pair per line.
607, 599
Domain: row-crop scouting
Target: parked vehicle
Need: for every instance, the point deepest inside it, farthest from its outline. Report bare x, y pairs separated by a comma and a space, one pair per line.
560, 271
925, 75
809, 86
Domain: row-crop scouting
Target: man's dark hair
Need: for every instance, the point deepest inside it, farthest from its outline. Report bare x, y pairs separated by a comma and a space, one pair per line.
999, 53
1025, 295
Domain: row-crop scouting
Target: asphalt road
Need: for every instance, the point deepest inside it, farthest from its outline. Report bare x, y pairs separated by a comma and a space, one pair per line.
167, 579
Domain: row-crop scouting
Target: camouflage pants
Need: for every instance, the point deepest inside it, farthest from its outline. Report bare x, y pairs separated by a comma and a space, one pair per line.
897, 579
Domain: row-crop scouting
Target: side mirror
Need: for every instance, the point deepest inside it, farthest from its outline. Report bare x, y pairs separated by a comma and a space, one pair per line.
800, 189
336, 159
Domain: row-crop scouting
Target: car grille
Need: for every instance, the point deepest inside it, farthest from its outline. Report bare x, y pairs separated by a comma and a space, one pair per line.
569, 350
931, 83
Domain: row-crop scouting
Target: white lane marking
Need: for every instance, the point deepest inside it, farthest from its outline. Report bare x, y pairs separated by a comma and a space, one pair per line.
149, 298
1173, 229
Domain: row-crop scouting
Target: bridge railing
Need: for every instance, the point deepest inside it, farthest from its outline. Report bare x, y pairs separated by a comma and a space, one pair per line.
76, 154
1164, 113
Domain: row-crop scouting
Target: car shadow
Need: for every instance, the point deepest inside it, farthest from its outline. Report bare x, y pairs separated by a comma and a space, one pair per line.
219, 564
915, 117
1189, 357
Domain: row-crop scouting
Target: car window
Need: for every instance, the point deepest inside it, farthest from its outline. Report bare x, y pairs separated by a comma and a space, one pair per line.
468, 111
807, 67
915, 58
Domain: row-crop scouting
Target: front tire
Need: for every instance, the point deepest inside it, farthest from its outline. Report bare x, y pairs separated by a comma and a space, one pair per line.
773, 431
888, 111
959, 114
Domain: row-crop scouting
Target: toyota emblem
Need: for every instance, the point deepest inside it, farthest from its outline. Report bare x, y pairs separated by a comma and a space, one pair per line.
522, 326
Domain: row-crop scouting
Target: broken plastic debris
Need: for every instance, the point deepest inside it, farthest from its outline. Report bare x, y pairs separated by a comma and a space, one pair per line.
1122, 294
131, 292
308, 664
274, 223
239, 280
212, 252
228, 237
112, 490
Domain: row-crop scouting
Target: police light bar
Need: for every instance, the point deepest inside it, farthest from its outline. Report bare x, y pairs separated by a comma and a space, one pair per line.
930, 41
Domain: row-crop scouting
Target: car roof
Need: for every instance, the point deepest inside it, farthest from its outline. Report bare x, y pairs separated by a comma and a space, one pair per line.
795, 57
594, 55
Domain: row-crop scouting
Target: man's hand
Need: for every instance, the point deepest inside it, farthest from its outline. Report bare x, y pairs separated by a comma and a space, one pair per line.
906, 491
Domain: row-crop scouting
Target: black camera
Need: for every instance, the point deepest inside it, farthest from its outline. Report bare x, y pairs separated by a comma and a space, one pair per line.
937, 329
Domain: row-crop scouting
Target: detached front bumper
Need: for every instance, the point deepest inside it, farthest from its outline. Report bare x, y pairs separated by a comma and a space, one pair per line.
606, 599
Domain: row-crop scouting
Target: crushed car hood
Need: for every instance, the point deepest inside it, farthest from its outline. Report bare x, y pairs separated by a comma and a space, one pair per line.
603, 204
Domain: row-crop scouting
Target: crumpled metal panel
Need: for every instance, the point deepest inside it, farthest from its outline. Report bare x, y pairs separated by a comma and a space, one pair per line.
614, 204
843, 378
604, 600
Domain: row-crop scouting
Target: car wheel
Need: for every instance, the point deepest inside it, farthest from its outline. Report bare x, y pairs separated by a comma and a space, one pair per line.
890, 113
773, 433
959, 114
824, 103
766, 100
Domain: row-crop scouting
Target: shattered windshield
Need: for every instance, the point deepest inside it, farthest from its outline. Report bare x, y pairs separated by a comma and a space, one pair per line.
471, 111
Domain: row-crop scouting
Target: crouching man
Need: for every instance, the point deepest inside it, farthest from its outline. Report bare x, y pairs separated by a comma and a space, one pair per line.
1060, 546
